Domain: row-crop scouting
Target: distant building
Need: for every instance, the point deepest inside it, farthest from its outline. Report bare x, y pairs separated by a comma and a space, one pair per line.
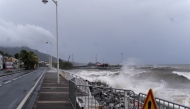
91, 64
103, 65
98, 63
12, 63
11, 59
1, 62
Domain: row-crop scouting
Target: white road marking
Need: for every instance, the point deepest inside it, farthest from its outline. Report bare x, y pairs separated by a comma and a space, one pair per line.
7, 82
20, 106
0, 85
15, 78
21, 76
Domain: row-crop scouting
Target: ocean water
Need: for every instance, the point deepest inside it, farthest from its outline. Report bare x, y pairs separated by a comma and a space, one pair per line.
169, 82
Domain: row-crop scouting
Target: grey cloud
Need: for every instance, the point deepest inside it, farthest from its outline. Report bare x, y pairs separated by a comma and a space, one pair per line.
151, 31
23, 35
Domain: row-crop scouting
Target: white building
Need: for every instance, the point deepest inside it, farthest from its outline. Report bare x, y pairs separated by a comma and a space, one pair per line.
1, 62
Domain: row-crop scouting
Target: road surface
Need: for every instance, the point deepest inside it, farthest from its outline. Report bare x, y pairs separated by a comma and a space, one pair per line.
13, 88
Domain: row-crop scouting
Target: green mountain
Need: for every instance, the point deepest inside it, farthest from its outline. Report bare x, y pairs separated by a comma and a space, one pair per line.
13, 50
42, 56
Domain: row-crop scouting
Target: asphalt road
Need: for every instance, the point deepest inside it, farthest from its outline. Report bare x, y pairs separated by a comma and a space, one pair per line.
5, 72
11, 76
13, 88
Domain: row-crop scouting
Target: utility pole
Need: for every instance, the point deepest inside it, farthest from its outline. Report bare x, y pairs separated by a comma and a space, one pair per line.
19, 61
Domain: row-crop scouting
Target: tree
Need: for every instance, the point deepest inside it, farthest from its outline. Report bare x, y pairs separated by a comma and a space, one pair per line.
65, 65
16, 56
32, 59
6, 54
1, 52
29, 59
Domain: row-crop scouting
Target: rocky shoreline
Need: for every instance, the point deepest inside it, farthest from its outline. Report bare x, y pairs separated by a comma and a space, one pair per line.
107, 96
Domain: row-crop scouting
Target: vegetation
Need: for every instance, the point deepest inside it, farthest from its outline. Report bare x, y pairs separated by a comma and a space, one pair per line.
29, 59
1, 52
5, 54
43, 64
16, 56
63, 65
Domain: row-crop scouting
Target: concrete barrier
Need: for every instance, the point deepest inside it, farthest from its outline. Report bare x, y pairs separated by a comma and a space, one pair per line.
62, 74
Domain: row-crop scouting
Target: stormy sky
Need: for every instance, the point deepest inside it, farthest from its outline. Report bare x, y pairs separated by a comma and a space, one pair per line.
145, 31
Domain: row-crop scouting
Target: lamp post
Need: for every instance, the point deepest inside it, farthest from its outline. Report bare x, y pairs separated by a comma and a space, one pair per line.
45, 1
50, 53
19, 61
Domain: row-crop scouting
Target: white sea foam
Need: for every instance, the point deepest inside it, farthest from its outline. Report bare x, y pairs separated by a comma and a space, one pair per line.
125, 79
185, 74
96, 73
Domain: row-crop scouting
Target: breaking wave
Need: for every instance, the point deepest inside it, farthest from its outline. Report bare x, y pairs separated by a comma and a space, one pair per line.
166, 84
184, 74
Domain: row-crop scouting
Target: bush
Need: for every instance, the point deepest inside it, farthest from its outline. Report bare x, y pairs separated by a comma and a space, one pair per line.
63, 65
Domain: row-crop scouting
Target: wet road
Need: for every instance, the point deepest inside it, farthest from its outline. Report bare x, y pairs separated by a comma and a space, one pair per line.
13, 88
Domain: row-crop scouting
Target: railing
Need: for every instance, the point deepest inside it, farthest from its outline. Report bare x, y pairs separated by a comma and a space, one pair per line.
72, 93
104, 98
83, 95
77, 80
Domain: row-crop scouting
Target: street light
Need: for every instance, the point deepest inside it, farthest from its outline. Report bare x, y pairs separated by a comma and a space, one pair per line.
50, 53
19, 61
45, 1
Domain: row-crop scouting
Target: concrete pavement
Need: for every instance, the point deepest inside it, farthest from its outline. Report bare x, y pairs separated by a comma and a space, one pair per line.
53, 95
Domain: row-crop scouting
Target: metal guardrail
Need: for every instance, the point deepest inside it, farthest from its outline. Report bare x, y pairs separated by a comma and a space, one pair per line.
72, 94
105, 98
89, 97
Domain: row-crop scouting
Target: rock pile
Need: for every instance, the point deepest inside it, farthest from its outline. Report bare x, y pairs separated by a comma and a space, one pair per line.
106, 96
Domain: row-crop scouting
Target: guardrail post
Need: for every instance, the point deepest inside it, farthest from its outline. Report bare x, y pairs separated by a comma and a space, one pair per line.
126, 100
72, 93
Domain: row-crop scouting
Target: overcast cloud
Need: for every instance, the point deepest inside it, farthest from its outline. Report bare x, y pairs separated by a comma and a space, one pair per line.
153, 32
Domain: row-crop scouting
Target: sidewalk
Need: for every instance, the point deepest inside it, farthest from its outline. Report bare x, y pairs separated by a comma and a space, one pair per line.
53, 95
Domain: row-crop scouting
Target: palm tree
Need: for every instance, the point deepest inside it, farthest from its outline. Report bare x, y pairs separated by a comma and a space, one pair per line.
32, 59
29, 59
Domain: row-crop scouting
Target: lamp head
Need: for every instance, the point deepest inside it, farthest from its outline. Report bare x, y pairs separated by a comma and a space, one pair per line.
44, 1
